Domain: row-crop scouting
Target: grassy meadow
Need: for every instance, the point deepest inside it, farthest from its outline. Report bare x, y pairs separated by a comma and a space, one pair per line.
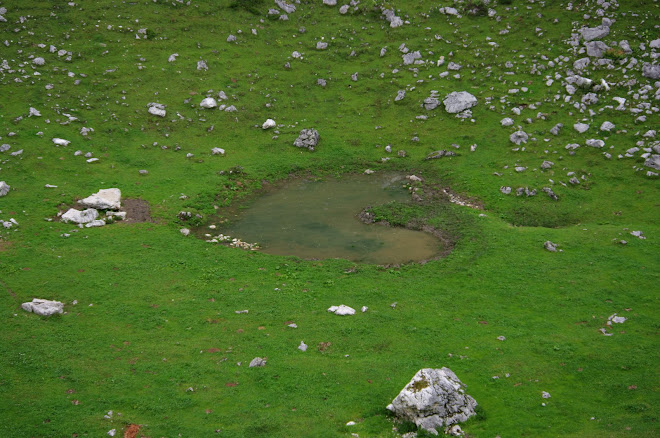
155, 335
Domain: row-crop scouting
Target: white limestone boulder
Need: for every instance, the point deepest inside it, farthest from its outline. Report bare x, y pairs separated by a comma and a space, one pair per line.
4, 188
61, 142
342, 310
433, 399
209, 103
104, 199
458, 101
43, 307
80, 217
270, 123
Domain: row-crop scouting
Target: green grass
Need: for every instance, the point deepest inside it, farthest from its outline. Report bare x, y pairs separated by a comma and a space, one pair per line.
156, 311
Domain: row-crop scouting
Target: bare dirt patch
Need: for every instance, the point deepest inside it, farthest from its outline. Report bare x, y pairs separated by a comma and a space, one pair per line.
132, 431
137, 210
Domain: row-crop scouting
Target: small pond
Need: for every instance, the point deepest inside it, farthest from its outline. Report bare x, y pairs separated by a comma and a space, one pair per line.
319, 220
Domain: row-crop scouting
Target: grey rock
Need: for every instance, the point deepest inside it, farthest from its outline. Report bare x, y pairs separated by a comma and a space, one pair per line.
4, 188
286, 7
507, 121
208, 103
623, 45
594, 33
95, 223
547, 164
231, 38
458, 101
448, 11
308, 138
550, 193
596, 49
555, 130
39, 61
581, 127
607, 126
391, 17
594, 143
655, 44
43, 307
431, 103
581, 63
343, 9
354, 77
330, 2
439, 154
302, 347
157, 109
519, 137
653, 161
257, 362
550, 246
506, 190
574, 181
201, 65
321, 82
651, 71
400, 95
410, 57
321, 45
433, 399
4, 147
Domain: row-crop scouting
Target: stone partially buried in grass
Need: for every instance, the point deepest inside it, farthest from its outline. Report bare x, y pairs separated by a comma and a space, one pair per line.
43, 307
434, 398
458, 101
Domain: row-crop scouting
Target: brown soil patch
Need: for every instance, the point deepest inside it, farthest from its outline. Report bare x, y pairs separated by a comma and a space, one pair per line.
137, 210
5, 245
131, 431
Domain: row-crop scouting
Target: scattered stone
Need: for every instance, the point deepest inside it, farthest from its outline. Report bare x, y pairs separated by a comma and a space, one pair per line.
43, 307
302, 347
607, 126
507, 121
639, 234
341, 310
432, 399
208, 103
456, 102
269, 123
400, 95
596, 49
550, 193
581, 127
257, 362
308, 138
545, 394
651, 71
505, 189
519, 137
547, 164
439, 154
156, 109
552, 247
185, 231
4, 188
61, 142
218, 151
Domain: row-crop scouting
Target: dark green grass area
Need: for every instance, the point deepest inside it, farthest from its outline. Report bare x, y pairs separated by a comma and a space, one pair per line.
156, 311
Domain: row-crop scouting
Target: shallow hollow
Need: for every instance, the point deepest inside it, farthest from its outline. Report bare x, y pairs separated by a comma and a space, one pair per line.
320, 219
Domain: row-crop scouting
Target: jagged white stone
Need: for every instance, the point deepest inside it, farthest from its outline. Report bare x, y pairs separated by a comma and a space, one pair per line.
432, 399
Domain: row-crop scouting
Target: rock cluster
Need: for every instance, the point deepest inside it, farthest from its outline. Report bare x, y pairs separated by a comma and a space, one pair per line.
308, 138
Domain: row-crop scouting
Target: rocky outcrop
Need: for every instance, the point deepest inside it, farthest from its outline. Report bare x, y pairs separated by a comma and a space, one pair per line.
433, 399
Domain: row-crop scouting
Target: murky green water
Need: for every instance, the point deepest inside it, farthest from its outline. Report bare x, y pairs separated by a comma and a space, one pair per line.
318, 220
